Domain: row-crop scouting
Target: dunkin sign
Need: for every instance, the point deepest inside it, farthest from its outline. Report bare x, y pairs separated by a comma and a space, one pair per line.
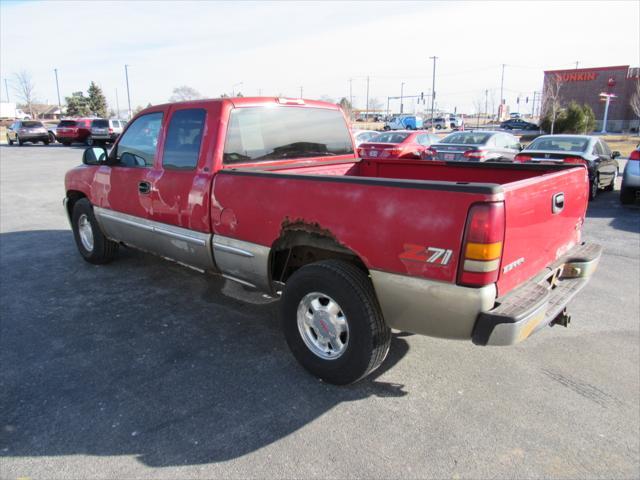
577, 76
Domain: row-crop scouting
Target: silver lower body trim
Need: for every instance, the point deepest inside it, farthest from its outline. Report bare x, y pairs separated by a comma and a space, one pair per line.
243, 261
427, 307
181, 244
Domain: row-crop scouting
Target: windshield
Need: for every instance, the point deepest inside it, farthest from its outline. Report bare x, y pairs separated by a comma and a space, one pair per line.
390, 137
467, 138
67, 123
31, 124
559, 144
265, 133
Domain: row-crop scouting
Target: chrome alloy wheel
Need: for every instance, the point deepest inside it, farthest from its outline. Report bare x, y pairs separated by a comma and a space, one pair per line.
323, 325
86, 232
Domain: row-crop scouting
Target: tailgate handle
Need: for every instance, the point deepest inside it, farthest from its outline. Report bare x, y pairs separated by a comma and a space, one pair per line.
558, 202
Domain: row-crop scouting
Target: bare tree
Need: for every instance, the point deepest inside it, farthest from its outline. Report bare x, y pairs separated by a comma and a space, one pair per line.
551, 98
25, 90
184, 93
478, 105
635, 102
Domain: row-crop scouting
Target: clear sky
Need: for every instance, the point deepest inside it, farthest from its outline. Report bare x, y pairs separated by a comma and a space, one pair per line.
277, 47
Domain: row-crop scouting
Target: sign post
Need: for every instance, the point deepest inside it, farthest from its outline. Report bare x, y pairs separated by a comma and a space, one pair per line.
607, 98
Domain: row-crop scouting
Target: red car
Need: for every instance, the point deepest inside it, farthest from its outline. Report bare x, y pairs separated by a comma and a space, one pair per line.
83, 130
398, 144
268, 192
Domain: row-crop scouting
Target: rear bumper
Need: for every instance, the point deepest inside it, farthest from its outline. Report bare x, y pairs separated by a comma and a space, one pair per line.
539, 302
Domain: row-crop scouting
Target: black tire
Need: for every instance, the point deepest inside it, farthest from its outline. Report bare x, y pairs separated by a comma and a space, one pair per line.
52, 138
9, 141
46, 142
593, 187
89, 141
386, 128
104, 250
438, 127
369, 337
627, 196
66, 144
19, 140
612, 186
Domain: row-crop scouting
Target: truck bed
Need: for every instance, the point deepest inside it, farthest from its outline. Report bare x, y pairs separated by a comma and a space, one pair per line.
378, 208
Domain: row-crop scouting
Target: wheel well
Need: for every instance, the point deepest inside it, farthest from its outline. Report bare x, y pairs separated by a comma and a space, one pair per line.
297, 248
72, 197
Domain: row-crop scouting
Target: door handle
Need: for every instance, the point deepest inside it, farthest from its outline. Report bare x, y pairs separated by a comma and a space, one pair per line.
144, 187
558, 203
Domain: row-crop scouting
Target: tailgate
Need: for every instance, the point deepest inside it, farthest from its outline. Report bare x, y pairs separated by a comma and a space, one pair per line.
543, 220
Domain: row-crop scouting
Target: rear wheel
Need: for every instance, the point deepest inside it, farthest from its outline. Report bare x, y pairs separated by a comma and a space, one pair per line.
52, 138
626, 195
612, 186
46, 142
332, 322
91, 242
9, 141
593, 187
19, 140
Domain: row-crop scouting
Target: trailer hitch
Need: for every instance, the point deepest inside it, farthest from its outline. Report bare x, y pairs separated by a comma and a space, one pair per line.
563, 319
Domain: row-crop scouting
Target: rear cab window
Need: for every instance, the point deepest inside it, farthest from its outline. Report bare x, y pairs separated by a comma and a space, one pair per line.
184, 137
261, 134
100, 124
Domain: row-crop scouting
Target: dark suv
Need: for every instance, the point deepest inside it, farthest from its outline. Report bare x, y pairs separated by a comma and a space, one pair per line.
27, 131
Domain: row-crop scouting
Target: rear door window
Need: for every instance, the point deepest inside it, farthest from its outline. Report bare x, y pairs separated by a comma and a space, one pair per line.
184, 137
137, 146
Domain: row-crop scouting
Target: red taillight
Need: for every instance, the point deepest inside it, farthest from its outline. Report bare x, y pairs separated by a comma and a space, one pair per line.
475, 154
575, 160
635, 155
429, 152
521, 157
110, 130
482, 245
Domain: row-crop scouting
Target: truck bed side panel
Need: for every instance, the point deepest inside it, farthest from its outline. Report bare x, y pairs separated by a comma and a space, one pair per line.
389, 227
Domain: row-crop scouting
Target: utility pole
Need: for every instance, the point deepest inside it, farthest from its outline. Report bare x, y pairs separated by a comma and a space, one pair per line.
388, 106
401, 94
126, 74
117, 105
6, 89
351, 92
577, 64
500, 107
433, 89
533, 105
300, 92
366, 112
486, 105
58, 90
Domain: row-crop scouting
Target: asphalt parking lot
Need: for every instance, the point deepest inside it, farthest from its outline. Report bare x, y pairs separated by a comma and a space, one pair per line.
146, 369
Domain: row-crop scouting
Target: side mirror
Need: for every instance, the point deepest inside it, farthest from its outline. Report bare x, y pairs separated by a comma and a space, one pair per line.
615, 154
94, 156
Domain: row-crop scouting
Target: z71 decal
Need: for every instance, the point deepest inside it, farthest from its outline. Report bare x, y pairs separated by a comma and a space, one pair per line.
419, 253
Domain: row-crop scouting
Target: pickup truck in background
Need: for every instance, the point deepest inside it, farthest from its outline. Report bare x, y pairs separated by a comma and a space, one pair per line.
268, 192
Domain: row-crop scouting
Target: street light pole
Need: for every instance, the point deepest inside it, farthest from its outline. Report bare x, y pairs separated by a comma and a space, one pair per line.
351, 92
58, 90
6, 89
486, 105
366, 112
117, 105
300, 92
401, 94
433, 89
533, 105
126, 74
501, 108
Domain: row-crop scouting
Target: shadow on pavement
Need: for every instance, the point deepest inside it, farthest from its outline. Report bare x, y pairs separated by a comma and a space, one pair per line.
144, 357
623, 217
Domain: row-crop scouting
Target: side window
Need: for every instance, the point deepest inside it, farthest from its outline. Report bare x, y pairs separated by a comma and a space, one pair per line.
513, 143
597, 148
137, 146
184, 136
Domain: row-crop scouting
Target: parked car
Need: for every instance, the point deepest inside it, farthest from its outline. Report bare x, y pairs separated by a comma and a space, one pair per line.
455, 121
83, 130
630, 189
464, 251
397, 144
362, 136
439, 123
52, 132
22, 131
116, 127
593, 152
404, 122
518, 124
477, 146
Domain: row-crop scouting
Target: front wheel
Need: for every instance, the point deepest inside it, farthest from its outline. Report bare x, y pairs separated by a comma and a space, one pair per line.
332, 322
91, 242
19, 140
52, 138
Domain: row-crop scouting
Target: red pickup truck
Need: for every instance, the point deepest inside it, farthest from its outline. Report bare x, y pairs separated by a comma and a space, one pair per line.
268, 192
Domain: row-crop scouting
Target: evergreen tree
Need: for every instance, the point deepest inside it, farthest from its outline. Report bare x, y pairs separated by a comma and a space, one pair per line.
77, 105
97, 101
